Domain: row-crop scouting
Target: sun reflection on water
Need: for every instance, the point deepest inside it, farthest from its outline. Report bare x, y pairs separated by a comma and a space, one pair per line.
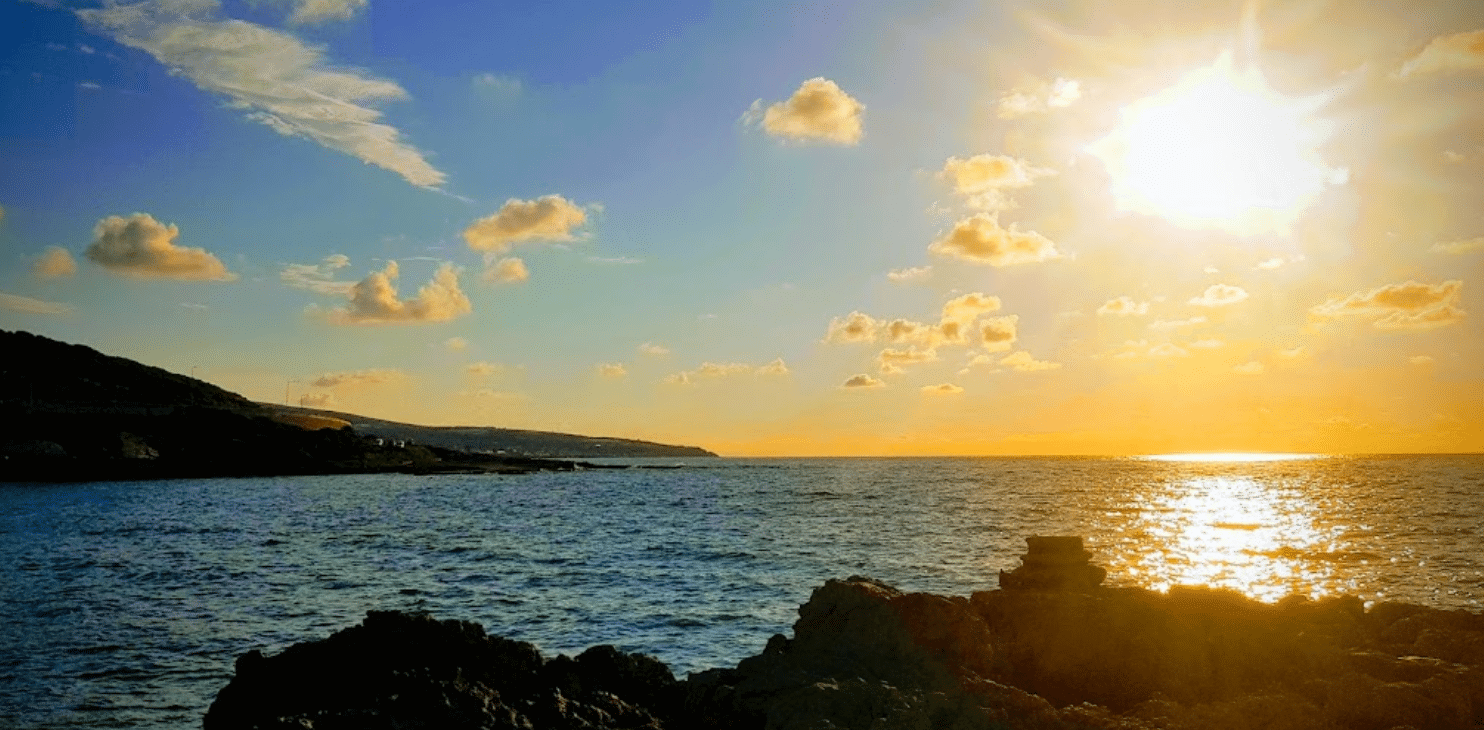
1261, 538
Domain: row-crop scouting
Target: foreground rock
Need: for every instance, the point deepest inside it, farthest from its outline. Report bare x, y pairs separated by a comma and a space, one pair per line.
866, 655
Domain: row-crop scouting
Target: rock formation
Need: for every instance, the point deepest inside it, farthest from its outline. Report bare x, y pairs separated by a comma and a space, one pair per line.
1054, 564
866, 655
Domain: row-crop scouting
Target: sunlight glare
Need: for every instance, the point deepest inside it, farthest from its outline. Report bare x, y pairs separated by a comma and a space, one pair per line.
1219, 149
1232, 457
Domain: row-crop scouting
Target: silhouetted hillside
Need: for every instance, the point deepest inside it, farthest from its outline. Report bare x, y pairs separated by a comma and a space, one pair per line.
509, 441
38, 370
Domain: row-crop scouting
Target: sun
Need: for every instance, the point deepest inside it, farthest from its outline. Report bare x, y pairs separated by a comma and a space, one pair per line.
1219, 149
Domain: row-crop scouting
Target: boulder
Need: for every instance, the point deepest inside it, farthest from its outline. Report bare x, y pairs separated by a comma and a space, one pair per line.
1054, 563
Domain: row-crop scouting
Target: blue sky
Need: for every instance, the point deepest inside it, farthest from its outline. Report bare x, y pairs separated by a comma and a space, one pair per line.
660, 220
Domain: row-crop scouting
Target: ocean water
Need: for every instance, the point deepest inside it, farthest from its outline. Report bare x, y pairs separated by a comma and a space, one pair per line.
125, 604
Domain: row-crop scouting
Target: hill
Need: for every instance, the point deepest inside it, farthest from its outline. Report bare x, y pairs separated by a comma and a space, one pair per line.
69, 412
490, 440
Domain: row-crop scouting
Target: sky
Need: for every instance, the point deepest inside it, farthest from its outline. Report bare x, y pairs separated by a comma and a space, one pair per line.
767, 228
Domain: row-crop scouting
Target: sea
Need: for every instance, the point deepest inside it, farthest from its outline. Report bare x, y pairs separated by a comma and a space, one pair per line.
124, 604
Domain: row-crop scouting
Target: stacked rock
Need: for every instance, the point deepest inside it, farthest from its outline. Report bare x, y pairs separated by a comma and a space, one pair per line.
1054, 563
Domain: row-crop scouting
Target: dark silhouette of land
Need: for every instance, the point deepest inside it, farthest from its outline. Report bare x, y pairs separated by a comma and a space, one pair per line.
71, 413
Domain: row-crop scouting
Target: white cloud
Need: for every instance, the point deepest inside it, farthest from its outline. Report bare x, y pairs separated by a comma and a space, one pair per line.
980, 239
1171, 324
863, 381
1123, 307
715, 371
1039, 96
276, 78
1220, 295
612, 370
374, 300
55, 263
818, 110
27, 305
498, 84
1167, 350
652, 349
507, 270
910, 275
1272, 263
1456, 52
318, 278
548, 218
141, 246
1022, 361
1406, 306
352, 378
319, 11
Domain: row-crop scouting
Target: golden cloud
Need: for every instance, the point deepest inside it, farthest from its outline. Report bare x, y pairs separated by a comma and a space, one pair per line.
548, 218
612, 370
913, 274
357, 377
482, 368
319, 11
142, 247
984, 178
55, 263
1420, 360
943, 389
17, 303
967, 308
318, 278
1456, 52
980, 239
1459, 247
713, 371
863, 381
855, 327
1220, 295
456, 344
999, 333
374, 300
1123, 307
818, 110
1252, 367
893, 361
1039, 96
1407, 306
1022, 361
507, 270
1177, 323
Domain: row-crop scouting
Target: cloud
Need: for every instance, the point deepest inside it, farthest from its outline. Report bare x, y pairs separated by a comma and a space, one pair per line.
652, 349
456, 344
612, 370
1038, 96
1406, 306
17, 303
714, 371
141, 246
1456, 52
1167, 350
943, 389
318, 278
1272, 263
1123, 307
1420, 360
1249, 368
55, 263
984, 178
89, 85
1022, 361
819, 110
507, 270
1171, 324
967, 308
1292, 354
482, 368
373, 300
274, 77
317, 400
499, 84
980, 239
893, 361
547, 218
307, 12
856, 327
863, 381
353, 378
910, 275
1459, 247
615, 260
1220, 295
1209, 343
999, 333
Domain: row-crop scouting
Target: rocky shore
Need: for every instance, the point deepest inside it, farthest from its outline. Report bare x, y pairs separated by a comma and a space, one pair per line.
1041, 652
